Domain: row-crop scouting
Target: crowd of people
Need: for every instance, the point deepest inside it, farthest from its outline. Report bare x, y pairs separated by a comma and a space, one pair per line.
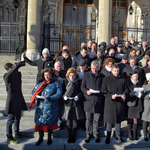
101, 82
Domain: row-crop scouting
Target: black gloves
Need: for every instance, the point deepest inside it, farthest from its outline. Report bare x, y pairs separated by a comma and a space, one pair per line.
20, 64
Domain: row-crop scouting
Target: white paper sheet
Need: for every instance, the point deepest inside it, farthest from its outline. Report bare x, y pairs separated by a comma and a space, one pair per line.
42, 97
94, 91
138, 89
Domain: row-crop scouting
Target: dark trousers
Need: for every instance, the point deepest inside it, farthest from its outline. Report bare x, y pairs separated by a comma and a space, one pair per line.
145, 123
92, 124
117, 128
13, 118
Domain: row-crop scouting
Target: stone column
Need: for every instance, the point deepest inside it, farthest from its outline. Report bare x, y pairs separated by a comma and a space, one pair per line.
34, 21
105, 9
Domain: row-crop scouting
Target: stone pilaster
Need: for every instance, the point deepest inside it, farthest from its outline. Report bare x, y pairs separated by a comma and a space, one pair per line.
105, 9
34, 20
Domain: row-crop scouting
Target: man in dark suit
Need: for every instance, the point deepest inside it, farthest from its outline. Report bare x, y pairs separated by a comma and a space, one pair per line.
15, 102
91, 85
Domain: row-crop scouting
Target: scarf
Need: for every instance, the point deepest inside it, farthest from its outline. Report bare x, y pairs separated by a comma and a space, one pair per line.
107, 68
134, 82
37, 92
69, 88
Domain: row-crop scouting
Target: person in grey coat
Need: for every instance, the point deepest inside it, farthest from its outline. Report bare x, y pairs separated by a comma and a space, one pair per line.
93, 104
146, 112
15, 102
73, 99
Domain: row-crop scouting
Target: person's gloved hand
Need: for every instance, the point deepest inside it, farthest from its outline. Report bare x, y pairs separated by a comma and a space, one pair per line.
65, 98
76, 98
20, 64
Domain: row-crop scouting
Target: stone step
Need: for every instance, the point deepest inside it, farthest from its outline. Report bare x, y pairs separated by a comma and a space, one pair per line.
26, 96
24, 72
24, 86
24, 91
3, 102
24, 68
27, 123
29, 77
24, 81
61, 144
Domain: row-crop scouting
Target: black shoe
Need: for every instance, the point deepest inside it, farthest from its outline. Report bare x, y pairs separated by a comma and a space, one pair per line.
69, 140
145, 138
49, 141
120, 139
107, 141
40, 140
73, 140
97, 139
87, 139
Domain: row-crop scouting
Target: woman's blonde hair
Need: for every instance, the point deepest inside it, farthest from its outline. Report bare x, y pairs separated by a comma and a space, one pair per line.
71, 70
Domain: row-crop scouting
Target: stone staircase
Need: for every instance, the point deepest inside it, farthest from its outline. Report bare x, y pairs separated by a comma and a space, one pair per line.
59, 136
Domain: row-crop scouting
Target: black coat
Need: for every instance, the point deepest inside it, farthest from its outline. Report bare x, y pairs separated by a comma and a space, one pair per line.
66, 63
40, 65
105, 72
145, 71
133, 111
142, 50
93, 103
109, 46
73, 109
114, 110
77, 58
15, 101
127, 70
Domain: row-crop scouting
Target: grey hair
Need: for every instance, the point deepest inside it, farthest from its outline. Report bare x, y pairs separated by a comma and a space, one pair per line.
95, 63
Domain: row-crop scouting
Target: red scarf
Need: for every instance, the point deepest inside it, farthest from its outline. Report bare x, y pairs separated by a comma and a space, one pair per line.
37, 92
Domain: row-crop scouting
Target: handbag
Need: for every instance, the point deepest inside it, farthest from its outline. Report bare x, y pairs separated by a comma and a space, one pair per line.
132, 102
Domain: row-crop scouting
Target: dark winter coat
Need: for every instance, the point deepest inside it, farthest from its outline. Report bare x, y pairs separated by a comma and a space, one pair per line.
15, 101
66, 63
122, 66
93, 103
46, 112
133, 111
40, 65
114, 110
146, 111
109, 46
143, 51
105, 72
77, 58
126, 50
127, 70
73, 109
145, 71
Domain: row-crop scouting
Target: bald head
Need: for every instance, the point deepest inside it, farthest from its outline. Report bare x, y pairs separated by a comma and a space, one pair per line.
65, 47
58, 66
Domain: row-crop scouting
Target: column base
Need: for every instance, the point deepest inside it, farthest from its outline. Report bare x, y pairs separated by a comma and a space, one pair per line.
32, 54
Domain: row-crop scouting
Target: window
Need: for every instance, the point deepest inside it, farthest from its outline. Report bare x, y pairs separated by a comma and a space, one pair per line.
80, 15
1, 14
146, 21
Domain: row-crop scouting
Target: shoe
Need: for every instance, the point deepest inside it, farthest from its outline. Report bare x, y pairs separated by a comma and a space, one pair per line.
19, 136
49, 141
73, 140
40, 140
107, 141
69, 140
145, 138
97, 139
120, 139
12, 141
87, 139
